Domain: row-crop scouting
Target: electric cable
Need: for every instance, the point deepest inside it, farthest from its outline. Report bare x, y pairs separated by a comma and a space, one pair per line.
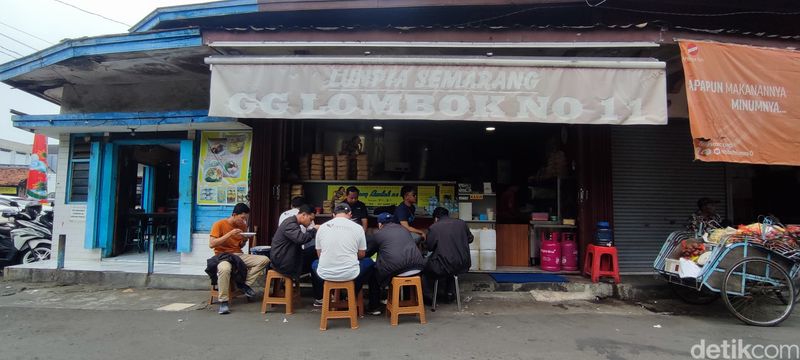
18, 42
92, 13
26, 33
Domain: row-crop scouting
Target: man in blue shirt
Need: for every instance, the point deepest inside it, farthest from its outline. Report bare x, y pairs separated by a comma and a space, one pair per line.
404, 213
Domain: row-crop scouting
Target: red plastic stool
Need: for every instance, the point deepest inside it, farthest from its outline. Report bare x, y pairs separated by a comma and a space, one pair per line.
601, 261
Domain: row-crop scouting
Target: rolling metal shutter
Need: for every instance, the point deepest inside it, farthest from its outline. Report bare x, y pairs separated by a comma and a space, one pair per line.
656, 185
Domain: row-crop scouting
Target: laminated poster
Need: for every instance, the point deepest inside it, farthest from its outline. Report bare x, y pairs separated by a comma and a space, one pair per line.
222, 176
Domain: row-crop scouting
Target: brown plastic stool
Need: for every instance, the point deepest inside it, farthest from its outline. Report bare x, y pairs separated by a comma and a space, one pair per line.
339, 303
234, 292
275, 294
329, 311
413, 306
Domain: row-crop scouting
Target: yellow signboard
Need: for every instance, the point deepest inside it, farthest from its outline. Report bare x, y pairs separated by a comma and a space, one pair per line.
224, 167
370, 195
8, 190
424, 194
447, 191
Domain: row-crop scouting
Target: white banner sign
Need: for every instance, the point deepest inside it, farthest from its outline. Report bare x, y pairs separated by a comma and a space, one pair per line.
440, 92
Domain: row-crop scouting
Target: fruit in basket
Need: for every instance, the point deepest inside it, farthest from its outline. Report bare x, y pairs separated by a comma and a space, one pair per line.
691, 248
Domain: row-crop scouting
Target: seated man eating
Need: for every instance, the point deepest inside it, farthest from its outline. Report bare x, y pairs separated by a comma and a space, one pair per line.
227, 242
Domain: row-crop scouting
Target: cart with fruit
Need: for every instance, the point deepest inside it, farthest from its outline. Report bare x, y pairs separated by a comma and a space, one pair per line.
754, 268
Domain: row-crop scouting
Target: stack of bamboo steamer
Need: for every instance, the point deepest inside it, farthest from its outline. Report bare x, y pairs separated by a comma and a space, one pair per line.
327, 206
316, 167
330, 167
342, 167
302, 168
362, 167
297, 190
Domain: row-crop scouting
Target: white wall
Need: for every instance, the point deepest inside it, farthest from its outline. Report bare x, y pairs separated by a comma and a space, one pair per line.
200, 251
64, 222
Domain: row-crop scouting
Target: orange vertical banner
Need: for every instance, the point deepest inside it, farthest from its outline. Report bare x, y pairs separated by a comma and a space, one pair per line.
744, 102
37, 175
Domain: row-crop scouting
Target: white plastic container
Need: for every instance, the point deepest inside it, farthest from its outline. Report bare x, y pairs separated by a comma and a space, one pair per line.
475, 256
465, 211
488, 260
475, 244
488, 240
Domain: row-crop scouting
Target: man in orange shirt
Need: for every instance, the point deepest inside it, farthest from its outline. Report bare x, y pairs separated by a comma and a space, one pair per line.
226, 238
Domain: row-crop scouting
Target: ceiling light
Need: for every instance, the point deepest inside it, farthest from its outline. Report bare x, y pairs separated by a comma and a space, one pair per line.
377, 128
490, 128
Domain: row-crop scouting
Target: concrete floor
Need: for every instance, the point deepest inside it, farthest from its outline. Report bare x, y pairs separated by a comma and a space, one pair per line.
44, 321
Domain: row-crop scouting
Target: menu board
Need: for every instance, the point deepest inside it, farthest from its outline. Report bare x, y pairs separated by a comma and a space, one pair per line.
224, 167
370, 195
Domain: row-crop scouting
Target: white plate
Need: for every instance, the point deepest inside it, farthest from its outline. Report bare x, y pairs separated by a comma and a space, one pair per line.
248, 234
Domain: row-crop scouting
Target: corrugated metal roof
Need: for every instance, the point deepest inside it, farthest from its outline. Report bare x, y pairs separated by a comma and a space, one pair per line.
656, 25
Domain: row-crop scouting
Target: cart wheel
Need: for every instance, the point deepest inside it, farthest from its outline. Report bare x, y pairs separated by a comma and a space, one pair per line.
759, 292
692, 296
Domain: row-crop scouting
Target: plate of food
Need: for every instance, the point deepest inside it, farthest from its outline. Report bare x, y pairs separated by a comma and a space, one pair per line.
231, 169
213, 174
216, 146
236, 144
248, 234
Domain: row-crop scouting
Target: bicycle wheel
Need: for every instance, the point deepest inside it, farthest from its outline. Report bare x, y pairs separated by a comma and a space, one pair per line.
759, 292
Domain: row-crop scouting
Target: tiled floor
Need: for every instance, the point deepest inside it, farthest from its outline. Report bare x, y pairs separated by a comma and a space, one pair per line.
161, 256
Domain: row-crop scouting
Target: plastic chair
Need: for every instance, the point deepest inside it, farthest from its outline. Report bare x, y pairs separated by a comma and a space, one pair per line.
395, 306
601, 261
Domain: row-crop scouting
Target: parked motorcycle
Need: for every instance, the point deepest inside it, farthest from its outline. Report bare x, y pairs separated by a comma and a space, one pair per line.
28, 238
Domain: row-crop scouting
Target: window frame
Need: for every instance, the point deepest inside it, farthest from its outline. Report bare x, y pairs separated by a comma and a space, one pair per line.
71, 162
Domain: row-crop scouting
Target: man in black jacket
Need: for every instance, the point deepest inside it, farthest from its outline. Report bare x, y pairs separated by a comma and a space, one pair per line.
448, 242
287, 244
398, 255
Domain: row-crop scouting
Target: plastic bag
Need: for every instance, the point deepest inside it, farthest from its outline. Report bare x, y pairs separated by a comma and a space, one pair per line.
688, 269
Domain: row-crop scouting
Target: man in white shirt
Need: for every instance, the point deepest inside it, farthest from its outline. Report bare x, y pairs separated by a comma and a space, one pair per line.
341, 247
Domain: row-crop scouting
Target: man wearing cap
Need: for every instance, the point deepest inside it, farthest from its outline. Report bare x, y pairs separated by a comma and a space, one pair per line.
448, 241
398, 255
341, 247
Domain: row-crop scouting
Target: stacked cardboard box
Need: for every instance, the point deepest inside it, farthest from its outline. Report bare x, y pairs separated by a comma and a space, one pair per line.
362, 167
302, 168
342, 167
330, 167
316, 167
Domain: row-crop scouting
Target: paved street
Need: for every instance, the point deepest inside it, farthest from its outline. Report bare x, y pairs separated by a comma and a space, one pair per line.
41, 321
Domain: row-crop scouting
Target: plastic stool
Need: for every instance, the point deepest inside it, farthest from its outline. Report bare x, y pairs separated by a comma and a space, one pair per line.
601, 261
234, 292
436, 290
274, 294
413, 306
328, 309
339, 303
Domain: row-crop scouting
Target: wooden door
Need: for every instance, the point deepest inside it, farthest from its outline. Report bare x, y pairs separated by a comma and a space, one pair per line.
265, 179
513, 248
594, 181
